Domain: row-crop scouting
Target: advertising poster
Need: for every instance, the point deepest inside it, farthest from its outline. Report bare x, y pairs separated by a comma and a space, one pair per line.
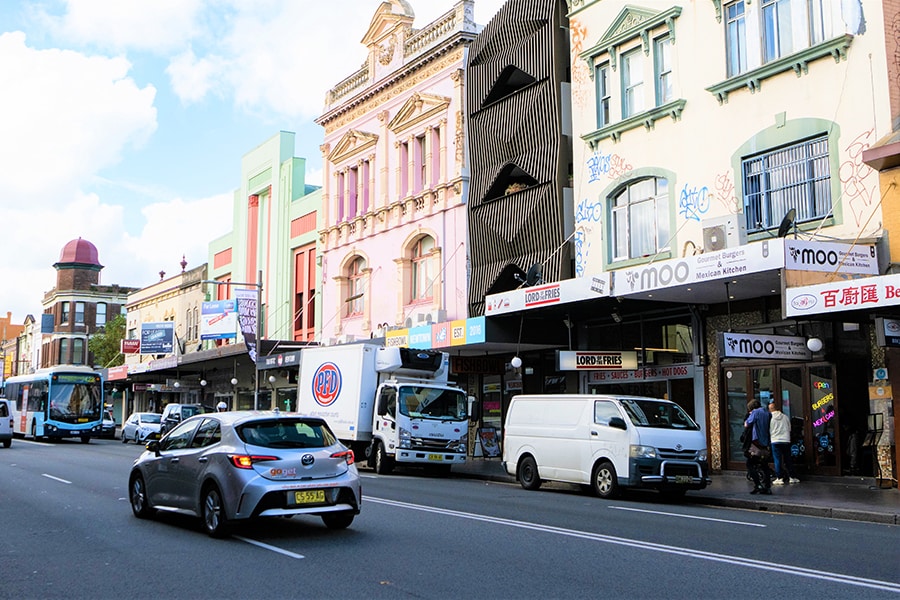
246, 311
490, 441
158, 338
218, 320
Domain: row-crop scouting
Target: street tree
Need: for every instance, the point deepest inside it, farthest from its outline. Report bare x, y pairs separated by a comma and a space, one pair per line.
106, 343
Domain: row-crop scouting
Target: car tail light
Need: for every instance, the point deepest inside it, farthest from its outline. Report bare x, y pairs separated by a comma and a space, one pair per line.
245, 461
346, 455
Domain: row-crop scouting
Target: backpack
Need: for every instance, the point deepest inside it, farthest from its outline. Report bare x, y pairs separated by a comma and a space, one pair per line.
747, 439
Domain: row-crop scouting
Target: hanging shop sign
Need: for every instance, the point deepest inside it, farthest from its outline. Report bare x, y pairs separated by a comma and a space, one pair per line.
573, 360
747, 345
830, 257
560, 292
685, 371
887, 333
853, 294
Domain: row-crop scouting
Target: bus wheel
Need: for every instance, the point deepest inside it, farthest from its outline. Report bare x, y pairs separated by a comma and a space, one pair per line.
85, 439
34, 434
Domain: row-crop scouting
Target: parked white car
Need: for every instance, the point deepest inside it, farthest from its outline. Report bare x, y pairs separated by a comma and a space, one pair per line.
140, 427
606, 442
6, 423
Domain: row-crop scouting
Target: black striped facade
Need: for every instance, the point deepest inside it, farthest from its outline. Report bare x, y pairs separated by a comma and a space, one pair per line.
516, 72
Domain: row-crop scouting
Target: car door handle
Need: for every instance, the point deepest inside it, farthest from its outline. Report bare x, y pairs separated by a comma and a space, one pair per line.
175, 460
594, 433
203, 459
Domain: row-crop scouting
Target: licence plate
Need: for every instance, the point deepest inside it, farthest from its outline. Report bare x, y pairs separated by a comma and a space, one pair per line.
306, 496
436, 457
684, 479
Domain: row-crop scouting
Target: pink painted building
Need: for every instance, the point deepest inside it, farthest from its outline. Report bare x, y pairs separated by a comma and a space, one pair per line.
393, 234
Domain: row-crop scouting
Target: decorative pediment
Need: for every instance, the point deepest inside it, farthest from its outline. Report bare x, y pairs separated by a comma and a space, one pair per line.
632, 22
353, 142
388, 16
628, 21
416, 109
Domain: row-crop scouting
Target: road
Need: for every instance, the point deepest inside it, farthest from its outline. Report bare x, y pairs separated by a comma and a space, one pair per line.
66, 531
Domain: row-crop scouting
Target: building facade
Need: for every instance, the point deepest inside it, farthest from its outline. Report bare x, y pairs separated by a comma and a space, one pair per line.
719, 178
393, 232
79, 305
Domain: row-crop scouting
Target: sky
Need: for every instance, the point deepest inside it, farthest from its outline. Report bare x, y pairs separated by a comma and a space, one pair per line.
123, 122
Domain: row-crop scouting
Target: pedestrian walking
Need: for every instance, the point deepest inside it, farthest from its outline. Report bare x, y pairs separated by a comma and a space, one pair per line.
780, 438
758, 453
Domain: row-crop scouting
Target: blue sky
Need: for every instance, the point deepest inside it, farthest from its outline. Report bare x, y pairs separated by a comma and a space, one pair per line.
124, 121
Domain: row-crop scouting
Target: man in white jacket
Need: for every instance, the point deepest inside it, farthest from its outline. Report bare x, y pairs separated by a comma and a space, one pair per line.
780, 434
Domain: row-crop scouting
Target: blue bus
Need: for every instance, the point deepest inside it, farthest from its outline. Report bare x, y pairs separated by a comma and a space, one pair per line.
59, 402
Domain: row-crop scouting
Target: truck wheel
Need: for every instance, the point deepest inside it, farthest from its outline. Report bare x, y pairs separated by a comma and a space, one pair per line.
384, 464
528, 474
604, 481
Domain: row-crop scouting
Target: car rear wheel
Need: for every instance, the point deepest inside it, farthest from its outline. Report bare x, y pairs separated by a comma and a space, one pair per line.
337, 520
528, 474
7, 443
137, 494
384, 464
213, 512
604, 480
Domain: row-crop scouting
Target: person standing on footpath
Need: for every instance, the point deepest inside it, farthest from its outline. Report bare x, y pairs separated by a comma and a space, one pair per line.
758, 461
780, 436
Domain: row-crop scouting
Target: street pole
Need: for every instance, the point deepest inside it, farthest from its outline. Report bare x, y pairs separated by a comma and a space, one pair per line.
258, 339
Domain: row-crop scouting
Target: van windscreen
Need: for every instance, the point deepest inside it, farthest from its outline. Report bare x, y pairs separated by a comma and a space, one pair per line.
655, 413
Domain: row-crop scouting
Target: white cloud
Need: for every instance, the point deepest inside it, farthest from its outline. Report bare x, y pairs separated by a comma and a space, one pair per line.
155, 26
70, 116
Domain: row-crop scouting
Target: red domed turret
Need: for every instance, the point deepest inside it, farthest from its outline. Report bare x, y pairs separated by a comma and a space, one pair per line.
80, 252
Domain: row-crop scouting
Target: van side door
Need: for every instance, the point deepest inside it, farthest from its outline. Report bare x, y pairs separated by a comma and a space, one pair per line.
608, 442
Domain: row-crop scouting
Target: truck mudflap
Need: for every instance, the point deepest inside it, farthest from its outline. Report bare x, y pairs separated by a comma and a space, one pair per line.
673, 473
422, 457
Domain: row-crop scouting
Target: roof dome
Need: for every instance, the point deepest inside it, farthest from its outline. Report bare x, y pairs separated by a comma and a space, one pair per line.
79, 251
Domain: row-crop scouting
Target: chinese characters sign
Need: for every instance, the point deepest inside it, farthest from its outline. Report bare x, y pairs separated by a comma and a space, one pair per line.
855, 294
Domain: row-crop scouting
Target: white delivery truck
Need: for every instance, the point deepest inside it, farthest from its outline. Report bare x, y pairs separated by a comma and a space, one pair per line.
392, 405
605, 442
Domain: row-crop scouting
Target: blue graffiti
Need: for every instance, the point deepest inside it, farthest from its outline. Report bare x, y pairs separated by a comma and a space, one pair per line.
693, 202
590, 211
582, 249
598, 164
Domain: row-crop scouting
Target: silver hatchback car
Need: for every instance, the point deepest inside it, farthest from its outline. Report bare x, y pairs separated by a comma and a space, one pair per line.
234, 466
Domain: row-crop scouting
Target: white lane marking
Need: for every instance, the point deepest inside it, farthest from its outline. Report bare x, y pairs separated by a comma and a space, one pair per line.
269, 547
669, 514
55, 478
752, 563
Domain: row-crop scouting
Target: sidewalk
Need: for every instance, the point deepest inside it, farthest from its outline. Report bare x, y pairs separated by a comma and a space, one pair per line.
851, 498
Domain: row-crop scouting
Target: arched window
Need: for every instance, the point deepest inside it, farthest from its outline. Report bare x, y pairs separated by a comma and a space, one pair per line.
422, 277
356, 300
640, 219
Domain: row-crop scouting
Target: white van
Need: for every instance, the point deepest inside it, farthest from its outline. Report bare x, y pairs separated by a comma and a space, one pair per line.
6, 423
606, 442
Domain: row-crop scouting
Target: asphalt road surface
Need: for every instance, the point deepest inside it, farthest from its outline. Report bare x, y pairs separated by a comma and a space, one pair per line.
66, 531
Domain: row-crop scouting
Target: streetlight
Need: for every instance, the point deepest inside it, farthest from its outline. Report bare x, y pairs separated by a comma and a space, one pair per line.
259, 286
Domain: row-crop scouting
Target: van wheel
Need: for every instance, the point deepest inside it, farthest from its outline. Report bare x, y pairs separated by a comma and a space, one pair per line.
384, 464
528, 474
604, 481
7, 443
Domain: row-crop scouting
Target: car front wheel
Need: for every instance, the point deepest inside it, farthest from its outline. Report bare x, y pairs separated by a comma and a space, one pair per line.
137, 493
604, 482
213, 513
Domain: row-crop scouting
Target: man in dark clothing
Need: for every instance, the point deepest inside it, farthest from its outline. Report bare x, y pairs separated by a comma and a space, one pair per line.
758, 459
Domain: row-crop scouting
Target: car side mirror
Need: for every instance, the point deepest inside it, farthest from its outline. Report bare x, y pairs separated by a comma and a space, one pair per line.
153, 446
618, 423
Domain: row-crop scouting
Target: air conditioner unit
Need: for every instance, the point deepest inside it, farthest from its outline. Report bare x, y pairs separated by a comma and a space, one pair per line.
724, 232
432, 316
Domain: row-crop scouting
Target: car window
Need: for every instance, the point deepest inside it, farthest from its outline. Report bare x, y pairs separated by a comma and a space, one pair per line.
150, 418
208, 434
180, 437
282, 433
4, 411
604, 411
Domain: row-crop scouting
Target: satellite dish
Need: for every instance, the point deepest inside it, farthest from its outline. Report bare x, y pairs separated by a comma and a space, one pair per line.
535, 275
786, 222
